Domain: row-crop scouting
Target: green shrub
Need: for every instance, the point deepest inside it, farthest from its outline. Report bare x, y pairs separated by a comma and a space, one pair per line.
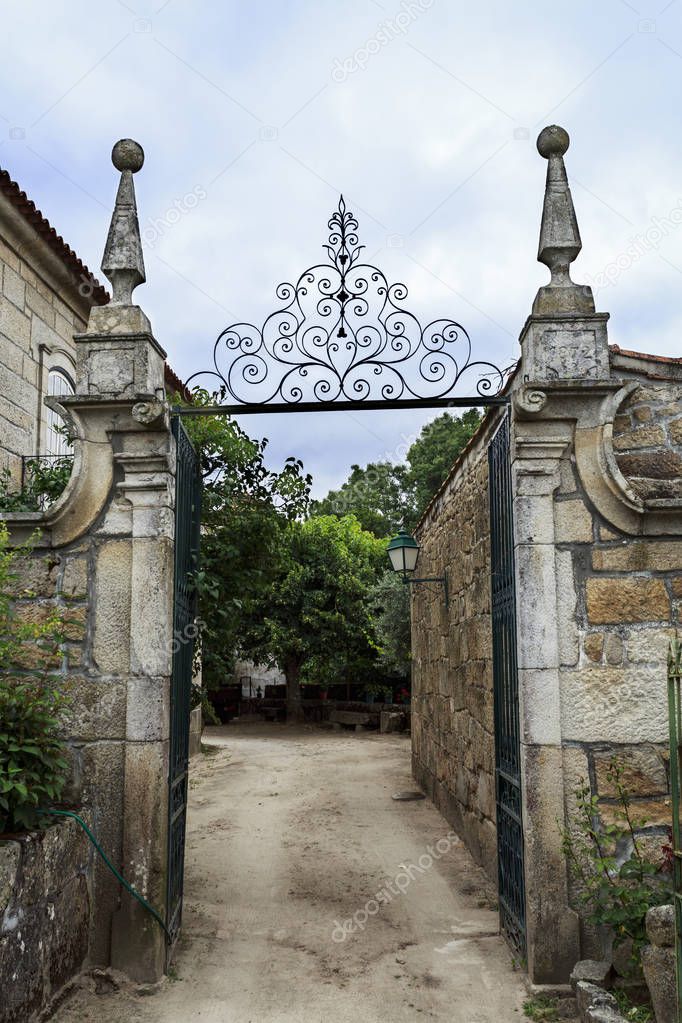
44, 482
32, 763
617, 882
541, 1008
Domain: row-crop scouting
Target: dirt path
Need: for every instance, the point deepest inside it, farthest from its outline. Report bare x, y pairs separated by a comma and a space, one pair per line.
292, 835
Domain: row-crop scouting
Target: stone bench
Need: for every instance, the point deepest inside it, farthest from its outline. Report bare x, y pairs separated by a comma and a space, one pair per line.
338, 718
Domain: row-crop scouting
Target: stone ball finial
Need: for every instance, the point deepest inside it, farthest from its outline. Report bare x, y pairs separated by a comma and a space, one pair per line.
553, 141
127, 155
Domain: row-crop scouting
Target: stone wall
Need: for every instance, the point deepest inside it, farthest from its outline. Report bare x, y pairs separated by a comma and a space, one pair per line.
620, 603
38, 318
96, 714
453, 751
44, 917
648, 440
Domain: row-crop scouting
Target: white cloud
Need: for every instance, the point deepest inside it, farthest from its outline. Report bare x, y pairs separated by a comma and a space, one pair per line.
240, 100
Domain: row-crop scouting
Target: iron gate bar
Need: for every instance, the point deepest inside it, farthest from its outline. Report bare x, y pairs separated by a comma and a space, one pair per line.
510, 858
675, 727
342, 339
339, 406
187, 531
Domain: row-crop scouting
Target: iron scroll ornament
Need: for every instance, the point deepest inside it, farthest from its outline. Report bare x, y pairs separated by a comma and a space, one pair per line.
342, 337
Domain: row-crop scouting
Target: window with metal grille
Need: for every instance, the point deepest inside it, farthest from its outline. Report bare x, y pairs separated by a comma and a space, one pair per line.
59, 383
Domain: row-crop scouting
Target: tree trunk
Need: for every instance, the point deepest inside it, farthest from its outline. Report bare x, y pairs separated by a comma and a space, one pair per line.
292, 672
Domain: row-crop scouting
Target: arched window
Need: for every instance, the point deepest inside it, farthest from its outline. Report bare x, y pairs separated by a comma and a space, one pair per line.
58, 383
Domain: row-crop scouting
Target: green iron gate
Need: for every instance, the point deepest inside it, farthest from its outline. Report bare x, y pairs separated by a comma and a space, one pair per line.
675, 723
511, 884
187, 524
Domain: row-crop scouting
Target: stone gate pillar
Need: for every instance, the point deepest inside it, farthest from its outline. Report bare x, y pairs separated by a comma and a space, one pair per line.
598, 563
121, 385
106, 557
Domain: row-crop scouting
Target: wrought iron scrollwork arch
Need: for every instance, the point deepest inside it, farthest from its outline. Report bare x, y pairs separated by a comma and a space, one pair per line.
342, 335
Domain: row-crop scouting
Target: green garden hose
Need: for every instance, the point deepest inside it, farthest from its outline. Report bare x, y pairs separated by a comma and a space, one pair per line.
119, 877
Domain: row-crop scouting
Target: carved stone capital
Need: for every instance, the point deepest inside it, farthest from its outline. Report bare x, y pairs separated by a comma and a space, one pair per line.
149, 411
530, 401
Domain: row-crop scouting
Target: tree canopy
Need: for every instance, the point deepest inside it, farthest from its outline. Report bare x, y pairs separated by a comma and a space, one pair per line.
376, 495
385, 496
434, 452
316, 622
245, 510
302, 584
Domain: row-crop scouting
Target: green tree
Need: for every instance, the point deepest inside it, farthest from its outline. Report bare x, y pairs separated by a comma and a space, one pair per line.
433, 454
390, 606
245, 510
315, 621
384, 496
375, 495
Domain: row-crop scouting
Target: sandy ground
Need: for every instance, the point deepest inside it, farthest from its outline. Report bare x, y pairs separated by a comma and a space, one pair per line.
293, 832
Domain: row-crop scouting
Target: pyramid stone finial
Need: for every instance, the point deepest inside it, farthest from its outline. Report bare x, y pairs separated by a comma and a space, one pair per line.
559, 234
122, 263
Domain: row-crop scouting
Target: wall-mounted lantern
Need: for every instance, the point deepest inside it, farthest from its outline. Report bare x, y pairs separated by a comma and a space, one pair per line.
403, 552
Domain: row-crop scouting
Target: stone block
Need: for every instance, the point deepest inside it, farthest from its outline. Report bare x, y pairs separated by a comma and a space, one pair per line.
11, 356
151, 624
643, 772
390, 721
611, 601
44, 934
533, 520
647, 813
539, 699
566, 598
603, 1014
74, 581
75, 622
14, 324
656, 465
595, 972
643, 437
41, 307
660, 926
613, 648
13, 287
10, 854
17, 389
649, 645
111, 635
588, 994
639, 556
552, 927
9, 257
593, 645
68, 913
36, 576
148, 709
614, 704
608, 534
96, 709
675, 431
537, 630
573, 522
659, 971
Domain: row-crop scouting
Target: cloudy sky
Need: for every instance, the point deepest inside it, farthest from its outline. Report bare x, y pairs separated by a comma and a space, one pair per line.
424, 113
